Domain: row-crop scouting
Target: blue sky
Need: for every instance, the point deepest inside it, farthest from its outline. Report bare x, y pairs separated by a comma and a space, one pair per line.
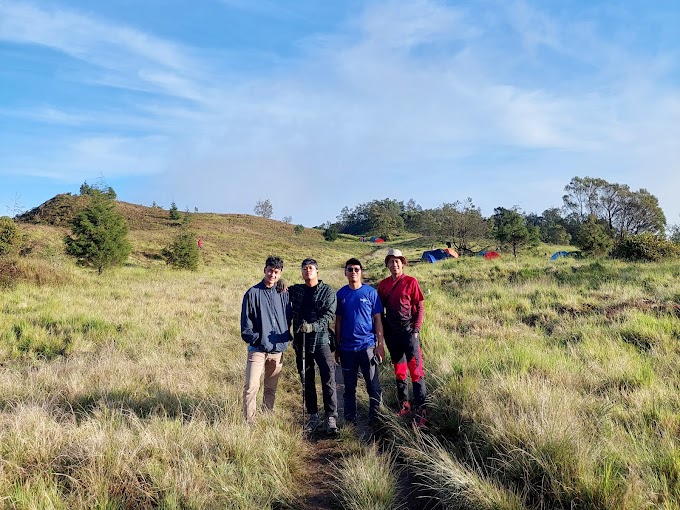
216, 104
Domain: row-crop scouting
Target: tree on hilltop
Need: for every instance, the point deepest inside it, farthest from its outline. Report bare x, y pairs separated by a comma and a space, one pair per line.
99, 235
264, 208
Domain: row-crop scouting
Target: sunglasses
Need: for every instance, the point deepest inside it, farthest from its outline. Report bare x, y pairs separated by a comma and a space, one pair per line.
353, 269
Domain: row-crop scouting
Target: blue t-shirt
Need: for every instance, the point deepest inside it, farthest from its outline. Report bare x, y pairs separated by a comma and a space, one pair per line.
357, 307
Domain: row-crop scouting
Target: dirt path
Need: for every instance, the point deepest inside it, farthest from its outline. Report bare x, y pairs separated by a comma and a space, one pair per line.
324, 456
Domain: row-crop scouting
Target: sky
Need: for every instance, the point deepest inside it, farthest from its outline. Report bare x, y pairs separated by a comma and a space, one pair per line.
216, 104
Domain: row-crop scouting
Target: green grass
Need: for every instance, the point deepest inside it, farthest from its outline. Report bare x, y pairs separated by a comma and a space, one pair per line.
553, 384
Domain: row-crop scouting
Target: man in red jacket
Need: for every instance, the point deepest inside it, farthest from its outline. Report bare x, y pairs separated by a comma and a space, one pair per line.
402, 299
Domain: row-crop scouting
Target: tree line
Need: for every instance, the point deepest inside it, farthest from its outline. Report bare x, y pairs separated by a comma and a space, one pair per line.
595, 216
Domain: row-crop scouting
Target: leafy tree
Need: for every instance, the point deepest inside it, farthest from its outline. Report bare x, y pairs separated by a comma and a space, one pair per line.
551, 226
674, 233
380, 218
331, 232
173, 214
264, 208
10, 236
183, 252
99, 235
594, 238
624, 211
510, 229
299, 229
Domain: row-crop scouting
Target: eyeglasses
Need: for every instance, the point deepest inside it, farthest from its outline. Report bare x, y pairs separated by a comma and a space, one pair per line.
353, 269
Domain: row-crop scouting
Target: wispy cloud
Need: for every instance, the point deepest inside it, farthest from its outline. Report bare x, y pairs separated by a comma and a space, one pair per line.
401, 94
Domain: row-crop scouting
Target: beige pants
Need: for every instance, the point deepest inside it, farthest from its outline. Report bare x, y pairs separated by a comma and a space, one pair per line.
258, 362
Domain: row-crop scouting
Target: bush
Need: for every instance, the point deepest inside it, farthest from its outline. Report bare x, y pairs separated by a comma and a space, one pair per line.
183, 253
331, 233
10, 236
299, 229
645, 247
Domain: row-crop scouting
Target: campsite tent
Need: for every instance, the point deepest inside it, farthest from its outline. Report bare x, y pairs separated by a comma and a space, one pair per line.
559, 254
492, 255
380, 240
432, 256
452, 253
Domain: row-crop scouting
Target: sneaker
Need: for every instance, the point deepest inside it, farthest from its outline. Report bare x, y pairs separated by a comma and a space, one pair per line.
420, 419
331, 425
312, 423
405, 409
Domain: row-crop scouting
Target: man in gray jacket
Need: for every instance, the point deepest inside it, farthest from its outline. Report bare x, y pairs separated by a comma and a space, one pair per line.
313, 309
265, 322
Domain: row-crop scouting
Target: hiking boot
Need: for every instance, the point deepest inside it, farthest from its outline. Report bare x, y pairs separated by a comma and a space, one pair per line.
312, 423
405, 409
331, 425
420, 419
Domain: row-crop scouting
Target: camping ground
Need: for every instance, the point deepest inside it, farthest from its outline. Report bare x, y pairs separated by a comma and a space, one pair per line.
554, 384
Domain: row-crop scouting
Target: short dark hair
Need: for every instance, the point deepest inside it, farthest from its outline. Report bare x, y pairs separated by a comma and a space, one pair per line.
275, 262
354, 262
309, 262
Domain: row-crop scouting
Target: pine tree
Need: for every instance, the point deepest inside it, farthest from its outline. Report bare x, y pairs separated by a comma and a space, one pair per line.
99, 235
183, 252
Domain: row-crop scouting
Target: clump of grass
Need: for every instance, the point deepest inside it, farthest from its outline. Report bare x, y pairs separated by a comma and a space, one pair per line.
367, 480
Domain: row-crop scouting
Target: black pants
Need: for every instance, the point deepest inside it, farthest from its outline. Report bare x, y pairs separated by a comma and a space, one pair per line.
323, 358
407, 359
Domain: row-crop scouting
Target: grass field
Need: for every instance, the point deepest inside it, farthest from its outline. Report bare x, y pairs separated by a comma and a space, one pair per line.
553, 384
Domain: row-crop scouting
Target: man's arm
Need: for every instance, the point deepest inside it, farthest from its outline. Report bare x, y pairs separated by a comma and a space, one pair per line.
379, 338
338, 329
326, 310
248, 333
418, 315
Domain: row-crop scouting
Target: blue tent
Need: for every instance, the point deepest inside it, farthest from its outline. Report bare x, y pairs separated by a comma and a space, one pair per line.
559, 254
434, 255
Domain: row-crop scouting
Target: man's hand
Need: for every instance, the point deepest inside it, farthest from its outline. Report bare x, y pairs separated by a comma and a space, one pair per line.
380, 351
281, 286
337, 356
305, 327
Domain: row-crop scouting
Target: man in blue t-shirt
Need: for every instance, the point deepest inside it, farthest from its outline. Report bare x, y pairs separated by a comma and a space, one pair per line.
359, 334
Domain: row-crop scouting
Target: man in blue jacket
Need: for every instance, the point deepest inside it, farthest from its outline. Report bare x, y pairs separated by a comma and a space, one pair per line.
265, 321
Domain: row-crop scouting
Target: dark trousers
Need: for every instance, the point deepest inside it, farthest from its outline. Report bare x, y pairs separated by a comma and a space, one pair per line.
323, 358
351, 363
407, 359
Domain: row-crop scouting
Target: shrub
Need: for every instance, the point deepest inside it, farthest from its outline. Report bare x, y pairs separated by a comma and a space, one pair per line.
299, 229
331, 233
10, 236
183, 252
645, 247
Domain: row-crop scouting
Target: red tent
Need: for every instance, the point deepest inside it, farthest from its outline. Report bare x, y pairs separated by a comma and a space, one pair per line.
452, 252
492, 255
380, 240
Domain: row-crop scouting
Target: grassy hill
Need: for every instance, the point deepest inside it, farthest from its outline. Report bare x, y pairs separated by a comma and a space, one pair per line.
553, 384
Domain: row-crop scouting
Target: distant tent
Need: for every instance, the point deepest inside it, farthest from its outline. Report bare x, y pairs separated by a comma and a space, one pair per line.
558, 254
372, 239
432, 256
379, 240
491, 255
481, 253
451, 252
